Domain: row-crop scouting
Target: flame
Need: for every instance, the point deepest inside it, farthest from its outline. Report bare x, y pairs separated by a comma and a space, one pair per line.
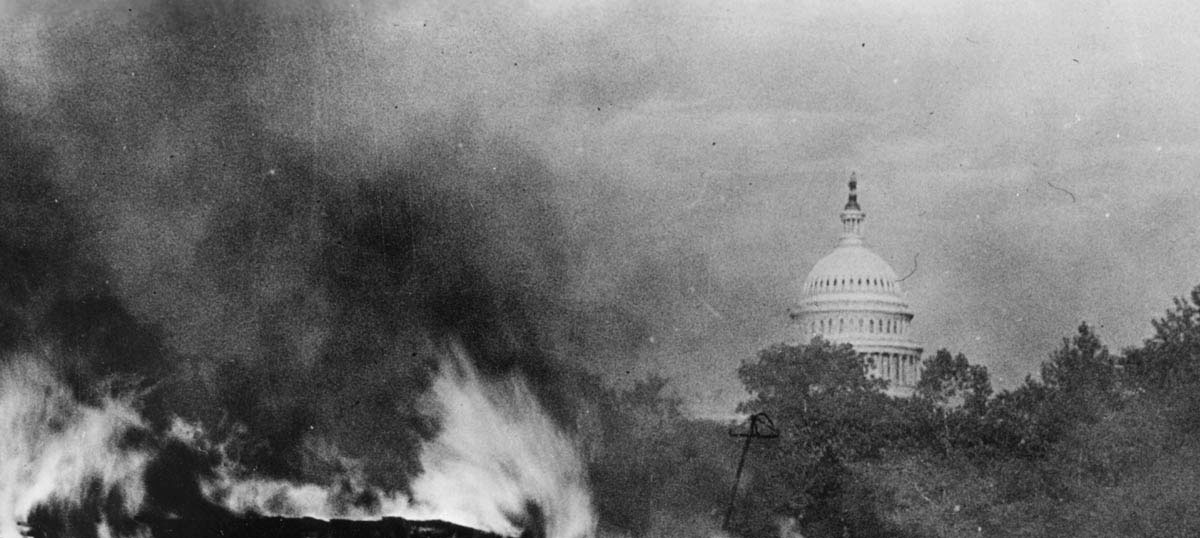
239, 491
498, 454
499, 463
56, 450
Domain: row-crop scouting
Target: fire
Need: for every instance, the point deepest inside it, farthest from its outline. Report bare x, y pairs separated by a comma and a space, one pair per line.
57, 451
497, 455
239, 491
499, 463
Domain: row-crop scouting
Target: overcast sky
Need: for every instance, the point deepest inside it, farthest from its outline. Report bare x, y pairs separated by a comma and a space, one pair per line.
1037, 163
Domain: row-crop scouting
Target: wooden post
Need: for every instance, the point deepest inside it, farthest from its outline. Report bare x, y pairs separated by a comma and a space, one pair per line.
768, 431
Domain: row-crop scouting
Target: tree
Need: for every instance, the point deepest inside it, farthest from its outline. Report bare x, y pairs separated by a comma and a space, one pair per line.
647, 460
1079, 385
822, 393
1083, 375
1170, 358
952, 380
951, 401
831, 415
1021, 422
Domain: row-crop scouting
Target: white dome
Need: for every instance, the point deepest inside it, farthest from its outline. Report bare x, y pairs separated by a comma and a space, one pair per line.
854, 296
852, 268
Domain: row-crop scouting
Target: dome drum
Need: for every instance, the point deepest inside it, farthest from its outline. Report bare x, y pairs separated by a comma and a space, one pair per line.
858, 302
839, 324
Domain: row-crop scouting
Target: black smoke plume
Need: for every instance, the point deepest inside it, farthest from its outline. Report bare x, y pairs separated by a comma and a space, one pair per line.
270, 217
179, 219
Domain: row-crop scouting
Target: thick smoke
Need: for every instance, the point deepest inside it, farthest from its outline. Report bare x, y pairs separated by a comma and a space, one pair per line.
197, 203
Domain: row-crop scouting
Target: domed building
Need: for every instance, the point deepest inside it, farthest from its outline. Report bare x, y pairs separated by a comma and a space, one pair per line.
853, 296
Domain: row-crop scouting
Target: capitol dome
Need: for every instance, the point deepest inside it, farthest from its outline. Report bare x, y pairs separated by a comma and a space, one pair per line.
854, 296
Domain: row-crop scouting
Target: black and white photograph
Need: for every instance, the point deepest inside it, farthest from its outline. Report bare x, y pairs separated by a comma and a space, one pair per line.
599, 268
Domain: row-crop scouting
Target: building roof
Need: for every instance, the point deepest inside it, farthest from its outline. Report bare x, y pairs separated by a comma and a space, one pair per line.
852, 268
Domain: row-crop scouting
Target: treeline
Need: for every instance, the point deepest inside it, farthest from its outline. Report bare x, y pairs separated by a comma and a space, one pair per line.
1101, 444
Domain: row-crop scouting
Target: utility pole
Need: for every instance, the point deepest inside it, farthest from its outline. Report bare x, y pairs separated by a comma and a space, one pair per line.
760, 427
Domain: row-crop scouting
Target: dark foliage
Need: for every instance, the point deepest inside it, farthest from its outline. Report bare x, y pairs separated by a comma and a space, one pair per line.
1171, 358
650, 463
831, 415
955, 458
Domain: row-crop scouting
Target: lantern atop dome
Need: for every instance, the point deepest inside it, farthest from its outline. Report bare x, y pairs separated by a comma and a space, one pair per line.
852, 215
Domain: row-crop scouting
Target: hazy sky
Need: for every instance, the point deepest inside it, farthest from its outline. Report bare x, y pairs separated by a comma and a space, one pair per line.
1038, 162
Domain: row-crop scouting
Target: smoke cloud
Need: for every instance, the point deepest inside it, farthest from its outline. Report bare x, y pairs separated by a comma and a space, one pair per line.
251, 210
268, 216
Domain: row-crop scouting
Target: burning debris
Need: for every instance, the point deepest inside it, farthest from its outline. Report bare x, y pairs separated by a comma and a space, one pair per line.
57, 452
499, 467
278, 527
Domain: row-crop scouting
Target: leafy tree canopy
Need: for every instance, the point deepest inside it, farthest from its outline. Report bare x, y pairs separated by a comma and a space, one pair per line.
787, 378
1171, 358
951, 379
